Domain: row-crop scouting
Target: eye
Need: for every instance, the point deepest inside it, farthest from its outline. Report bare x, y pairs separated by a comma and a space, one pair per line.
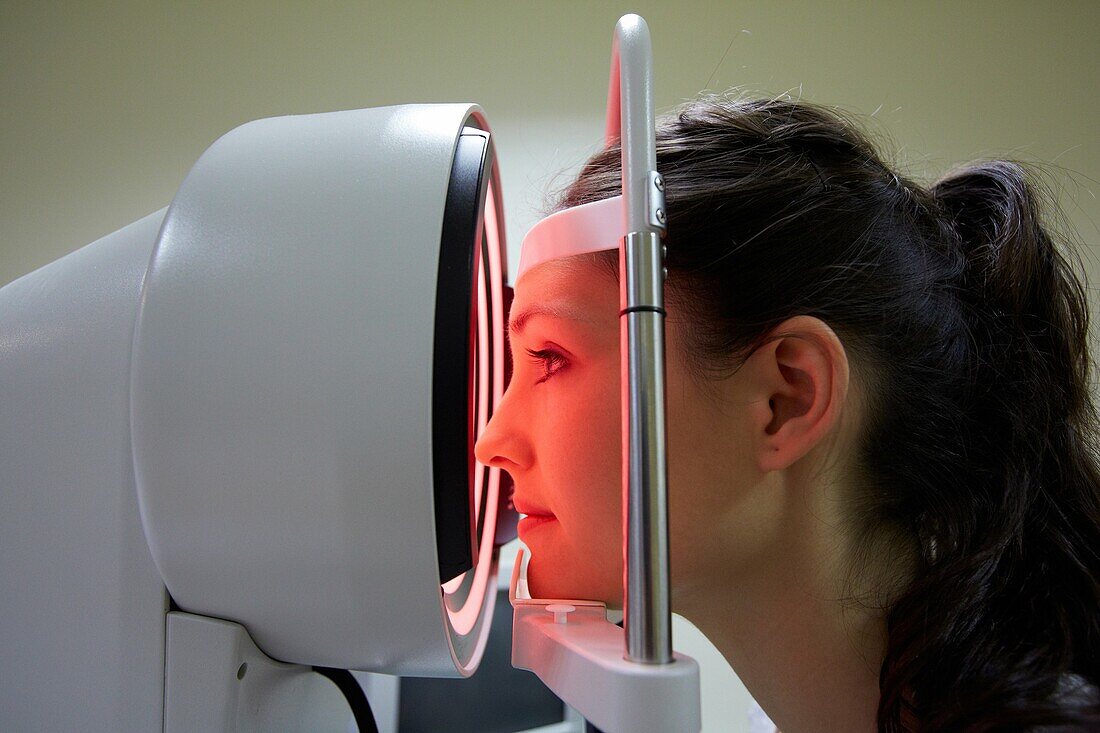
550, 360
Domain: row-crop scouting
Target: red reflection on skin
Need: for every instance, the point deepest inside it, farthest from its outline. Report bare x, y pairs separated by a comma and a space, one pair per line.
556, 430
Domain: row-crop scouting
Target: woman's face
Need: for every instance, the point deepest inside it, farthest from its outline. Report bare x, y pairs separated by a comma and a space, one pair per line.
558, 433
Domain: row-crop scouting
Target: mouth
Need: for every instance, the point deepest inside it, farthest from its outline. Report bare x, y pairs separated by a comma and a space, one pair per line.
531, 521
535, 515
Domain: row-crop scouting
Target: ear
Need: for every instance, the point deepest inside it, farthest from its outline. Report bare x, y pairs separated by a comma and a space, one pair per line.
799, 379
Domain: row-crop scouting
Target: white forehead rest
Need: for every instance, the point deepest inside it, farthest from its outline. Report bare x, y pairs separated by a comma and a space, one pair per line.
592, 227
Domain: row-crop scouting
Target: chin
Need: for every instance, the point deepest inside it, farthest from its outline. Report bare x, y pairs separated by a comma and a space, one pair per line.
549, 579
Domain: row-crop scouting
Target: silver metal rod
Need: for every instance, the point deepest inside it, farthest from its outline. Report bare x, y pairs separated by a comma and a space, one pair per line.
632, 56
647, 602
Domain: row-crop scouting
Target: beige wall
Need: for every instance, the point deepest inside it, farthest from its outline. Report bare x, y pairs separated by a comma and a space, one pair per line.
104, 106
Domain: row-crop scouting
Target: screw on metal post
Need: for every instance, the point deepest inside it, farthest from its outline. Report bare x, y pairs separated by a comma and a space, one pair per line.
655, 198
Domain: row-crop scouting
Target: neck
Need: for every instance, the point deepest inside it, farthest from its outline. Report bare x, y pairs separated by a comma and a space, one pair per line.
809, 657
806, 673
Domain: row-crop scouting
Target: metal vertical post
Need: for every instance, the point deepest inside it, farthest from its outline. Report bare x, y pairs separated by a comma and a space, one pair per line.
645, 469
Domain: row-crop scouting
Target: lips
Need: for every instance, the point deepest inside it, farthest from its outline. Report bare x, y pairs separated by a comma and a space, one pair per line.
535, 514
531, 521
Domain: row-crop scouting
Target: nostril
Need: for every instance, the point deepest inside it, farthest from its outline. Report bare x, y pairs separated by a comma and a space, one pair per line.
498, 461
492, 459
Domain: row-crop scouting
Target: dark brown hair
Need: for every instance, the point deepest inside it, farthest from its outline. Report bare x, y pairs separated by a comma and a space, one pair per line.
980, 442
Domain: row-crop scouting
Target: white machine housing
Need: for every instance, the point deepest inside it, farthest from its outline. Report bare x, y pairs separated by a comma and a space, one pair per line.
282, 390
238, 409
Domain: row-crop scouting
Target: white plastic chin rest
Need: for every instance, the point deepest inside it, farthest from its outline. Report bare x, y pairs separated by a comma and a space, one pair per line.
578, 654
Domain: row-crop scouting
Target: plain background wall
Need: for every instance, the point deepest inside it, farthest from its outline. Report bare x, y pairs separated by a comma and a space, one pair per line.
104, 106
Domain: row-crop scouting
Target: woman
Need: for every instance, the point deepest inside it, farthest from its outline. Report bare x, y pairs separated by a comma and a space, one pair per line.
884, 503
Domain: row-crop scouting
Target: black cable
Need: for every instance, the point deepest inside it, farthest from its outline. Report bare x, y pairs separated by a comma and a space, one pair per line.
353, 693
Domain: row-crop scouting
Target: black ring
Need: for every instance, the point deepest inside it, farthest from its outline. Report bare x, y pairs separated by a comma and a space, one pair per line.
642, 309
455, 304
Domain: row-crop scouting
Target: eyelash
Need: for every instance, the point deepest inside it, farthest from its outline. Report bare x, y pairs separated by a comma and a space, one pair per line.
552, 362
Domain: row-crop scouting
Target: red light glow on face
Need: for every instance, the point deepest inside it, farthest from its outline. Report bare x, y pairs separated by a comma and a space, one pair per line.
557, 430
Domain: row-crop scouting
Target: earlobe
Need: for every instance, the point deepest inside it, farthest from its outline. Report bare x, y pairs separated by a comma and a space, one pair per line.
803, 379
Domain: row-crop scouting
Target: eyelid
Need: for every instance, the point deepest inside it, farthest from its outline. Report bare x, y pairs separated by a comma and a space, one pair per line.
548, 345
517, 346
546, 357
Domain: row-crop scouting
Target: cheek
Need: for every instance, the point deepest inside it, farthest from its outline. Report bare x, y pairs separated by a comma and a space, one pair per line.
580, 555
714, 484
581, 460
705, 460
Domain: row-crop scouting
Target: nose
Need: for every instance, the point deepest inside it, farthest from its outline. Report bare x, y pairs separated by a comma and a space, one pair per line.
503, 444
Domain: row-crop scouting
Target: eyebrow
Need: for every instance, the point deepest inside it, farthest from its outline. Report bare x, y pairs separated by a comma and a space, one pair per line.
517, 322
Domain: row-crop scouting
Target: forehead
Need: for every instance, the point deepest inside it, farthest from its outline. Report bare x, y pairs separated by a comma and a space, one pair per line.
571, 287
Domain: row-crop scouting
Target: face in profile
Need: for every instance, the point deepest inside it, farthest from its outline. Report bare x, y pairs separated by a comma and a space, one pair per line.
557, 432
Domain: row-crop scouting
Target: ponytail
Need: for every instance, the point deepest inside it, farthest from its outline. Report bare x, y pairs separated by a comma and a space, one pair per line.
1022, 285
1001, 630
